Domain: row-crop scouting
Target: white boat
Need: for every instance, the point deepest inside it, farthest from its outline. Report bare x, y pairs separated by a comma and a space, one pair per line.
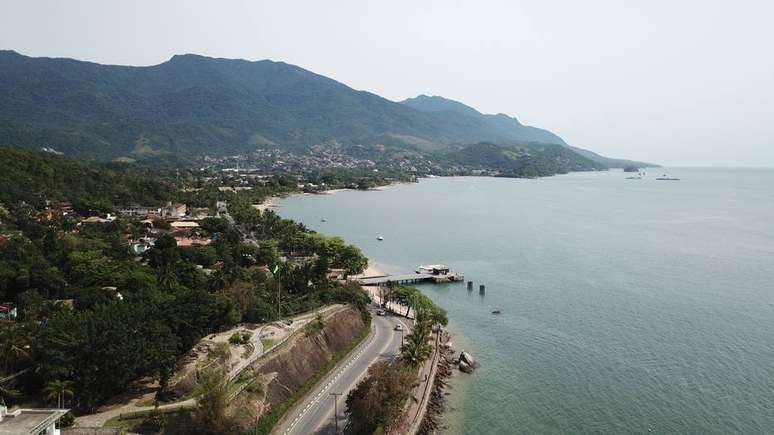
433, 269
379, 238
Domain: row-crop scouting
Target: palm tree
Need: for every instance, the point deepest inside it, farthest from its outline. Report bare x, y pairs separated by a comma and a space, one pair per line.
415, 350
58, 390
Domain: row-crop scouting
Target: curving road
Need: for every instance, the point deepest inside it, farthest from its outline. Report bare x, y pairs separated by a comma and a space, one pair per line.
314, 413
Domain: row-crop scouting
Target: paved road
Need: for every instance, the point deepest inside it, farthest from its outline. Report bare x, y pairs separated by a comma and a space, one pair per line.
314, 414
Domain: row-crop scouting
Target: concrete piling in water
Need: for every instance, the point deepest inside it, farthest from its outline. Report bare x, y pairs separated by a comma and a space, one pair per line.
470, 285
481, 289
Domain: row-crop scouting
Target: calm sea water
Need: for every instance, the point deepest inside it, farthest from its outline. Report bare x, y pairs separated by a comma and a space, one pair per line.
628, 306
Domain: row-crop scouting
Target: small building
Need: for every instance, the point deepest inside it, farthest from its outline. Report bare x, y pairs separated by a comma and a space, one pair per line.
95, 220
173, 211
7, 311
139, 248
192, 241
30, 421
337, 274
55, 211
198, 213
181, 225
140, 211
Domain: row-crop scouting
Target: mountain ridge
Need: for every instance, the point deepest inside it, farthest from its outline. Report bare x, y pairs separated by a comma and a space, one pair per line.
193, 104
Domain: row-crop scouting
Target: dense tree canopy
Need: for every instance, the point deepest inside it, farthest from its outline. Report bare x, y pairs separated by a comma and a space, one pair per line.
95, 316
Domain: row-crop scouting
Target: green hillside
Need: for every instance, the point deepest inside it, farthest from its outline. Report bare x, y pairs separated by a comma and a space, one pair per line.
194, 105
522, 160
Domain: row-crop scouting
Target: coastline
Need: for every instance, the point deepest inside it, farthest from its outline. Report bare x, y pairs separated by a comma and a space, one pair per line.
444, 412
272, 202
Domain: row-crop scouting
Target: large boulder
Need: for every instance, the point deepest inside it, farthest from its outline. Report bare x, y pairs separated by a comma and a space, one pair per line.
465, 367
467, 358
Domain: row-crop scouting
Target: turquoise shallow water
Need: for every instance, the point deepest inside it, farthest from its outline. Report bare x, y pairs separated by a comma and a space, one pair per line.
628, 305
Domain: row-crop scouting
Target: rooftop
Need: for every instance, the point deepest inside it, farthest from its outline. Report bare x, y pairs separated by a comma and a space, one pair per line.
29, 421
184, 224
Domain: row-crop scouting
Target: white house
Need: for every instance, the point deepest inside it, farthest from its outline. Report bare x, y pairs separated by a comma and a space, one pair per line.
30, 421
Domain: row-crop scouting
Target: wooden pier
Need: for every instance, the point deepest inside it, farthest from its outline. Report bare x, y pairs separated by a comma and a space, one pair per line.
411, 278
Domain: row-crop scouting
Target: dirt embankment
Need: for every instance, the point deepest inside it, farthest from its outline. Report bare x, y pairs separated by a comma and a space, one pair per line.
275, 377
288, 368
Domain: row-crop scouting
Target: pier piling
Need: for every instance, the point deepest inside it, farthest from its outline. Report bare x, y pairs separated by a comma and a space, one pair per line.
481, 289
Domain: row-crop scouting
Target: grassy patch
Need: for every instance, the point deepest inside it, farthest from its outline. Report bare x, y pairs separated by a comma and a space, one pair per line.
133, 419
266, 343
266, 422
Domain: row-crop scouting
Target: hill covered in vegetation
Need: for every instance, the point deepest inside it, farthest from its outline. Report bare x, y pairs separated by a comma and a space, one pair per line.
196, 105
520, 160
36, 177
94, 313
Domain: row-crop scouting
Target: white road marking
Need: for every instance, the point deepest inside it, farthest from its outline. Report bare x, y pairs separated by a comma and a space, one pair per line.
340, 372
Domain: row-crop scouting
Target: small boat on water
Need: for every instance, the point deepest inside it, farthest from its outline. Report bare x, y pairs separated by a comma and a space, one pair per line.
496, 312
634, 178
665, 177
323, 220
379, 238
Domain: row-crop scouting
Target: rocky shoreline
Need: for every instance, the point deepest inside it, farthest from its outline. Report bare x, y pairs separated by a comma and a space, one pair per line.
448, 364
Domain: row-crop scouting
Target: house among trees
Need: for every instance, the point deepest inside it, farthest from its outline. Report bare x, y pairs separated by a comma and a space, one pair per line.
140, 211
30, 421
55, 211
192, 240
183, 225
173, 211
140, 246
198, 213
337, 274
7, 311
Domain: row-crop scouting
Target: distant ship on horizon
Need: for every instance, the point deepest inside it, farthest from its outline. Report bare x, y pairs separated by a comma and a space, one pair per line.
665, 177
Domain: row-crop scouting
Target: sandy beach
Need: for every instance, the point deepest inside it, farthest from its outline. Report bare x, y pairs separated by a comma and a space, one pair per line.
270, 202
332, 191
273, 201
373, 270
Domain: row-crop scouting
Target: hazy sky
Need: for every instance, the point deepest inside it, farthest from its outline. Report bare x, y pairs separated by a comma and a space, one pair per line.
676, 82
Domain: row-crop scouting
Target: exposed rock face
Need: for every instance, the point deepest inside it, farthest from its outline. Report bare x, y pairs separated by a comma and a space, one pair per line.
291, 367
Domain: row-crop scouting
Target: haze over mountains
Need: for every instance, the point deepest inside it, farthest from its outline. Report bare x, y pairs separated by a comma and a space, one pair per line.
197, 105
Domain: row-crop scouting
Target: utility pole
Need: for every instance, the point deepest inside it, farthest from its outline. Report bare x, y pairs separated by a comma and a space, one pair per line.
336, 410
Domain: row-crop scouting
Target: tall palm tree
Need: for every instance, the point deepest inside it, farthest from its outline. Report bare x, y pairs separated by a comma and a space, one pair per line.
415, 350
58, 390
